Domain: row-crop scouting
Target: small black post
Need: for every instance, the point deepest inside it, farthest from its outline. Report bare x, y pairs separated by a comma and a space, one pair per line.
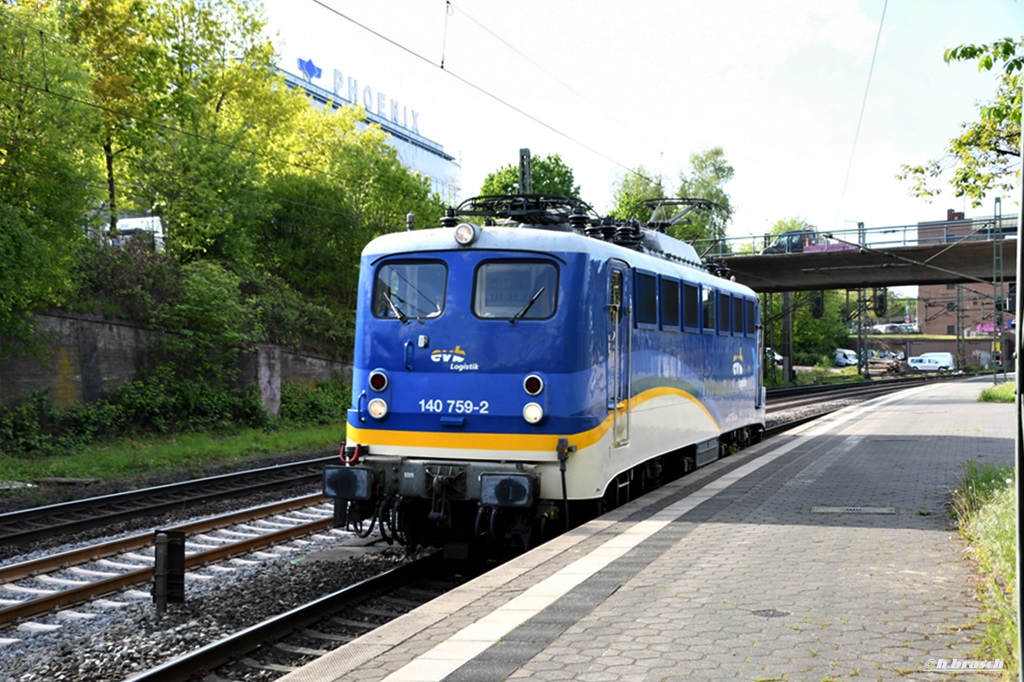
169, 574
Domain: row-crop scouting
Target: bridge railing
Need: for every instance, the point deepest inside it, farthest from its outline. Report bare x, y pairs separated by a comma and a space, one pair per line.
918, 234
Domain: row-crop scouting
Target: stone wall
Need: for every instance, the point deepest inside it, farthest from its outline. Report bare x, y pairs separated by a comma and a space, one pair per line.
86, 356
978, 350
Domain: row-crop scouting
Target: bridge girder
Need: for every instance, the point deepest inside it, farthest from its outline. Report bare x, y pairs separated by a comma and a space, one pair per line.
965, 262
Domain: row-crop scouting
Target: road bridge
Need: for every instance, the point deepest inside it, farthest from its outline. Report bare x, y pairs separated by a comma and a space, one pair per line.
950, 252
964, 263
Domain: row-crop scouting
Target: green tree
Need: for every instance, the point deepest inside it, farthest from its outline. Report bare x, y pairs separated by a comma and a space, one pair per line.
221, 101
709, 172
815, 337
550, 176
985, 156
631, 190
790, 224
116, 35
210, 324
343, 185
48, 186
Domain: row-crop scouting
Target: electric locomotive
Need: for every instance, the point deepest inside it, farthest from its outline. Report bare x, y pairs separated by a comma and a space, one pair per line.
514, 377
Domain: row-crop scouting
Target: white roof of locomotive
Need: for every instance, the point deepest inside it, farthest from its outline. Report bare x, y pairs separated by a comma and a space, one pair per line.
658, 249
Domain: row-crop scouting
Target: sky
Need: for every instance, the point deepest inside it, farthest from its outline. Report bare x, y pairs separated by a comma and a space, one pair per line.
611, 86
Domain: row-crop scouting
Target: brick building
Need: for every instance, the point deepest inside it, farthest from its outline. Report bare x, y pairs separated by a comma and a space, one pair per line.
959, 309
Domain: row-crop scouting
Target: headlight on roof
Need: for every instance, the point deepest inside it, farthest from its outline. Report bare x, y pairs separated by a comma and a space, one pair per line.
465, 234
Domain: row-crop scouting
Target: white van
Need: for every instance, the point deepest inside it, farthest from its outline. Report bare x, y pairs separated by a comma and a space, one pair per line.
932, 362
845, 357
945, 360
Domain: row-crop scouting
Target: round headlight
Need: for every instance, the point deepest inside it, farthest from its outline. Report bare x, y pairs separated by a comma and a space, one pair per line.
465, 234
377, 408
533, 413
533, 385
378, 380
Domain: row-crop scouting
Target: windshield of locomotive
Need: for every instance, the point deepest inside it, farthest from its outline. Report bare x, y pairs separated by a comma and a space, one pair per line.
410, 290
515, 290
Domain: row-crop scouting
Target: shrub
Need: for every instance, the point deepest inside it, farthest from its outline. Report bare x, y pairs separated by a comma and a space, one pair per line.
325, 403
1003, 393
209, 325
126, 282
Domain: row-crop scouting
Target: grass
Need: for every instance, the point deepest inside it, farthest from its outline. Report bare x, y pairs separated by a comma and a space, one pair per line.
1000, 393
817, 375
986, 511
193, 452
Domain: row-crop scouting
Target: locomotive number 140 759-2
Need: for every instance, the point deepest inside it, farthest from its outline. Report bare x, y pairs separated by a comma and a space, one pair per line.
454, 406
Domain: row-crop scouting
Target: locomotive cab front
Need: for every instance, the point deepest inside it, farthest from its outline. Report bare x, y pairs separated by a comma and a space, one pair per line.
459, 343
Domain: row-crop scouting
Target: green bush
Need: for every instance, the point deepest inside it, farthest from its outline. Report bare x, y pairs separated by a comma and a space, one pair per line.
209, 325
159, 403
325, 403
127, 282
293, 320
811, 359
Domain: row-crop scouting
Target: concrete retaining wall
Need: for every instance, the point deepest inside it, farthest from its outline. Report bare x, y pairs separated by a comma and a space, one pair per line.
86, 356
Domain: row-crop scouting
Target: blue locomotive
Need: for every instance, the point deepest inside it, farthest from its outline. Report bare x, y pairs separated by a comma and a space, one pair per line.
517, 376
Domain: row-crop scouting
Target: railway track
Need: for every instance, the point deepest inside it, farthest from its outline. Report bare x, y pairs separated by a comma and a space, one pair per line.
788, 398
59, 581
286, 642
29, 524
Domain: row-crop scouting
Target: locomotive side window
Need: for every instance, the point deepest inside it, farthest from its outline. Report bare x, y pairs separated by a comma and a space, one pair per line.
615, 297
707, 296
724, 310
751, 318
669, 304
737, 315
407, 290
646, 299
691, 308
515, 290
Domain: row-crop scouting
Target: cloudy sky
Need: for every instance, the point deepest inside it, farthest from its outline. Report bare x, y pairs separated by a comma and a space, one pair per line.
610, 86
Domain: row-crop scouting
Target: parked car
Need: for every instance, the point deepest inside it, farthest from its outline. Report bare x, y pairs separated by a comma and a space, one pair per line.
845, 357
773, 356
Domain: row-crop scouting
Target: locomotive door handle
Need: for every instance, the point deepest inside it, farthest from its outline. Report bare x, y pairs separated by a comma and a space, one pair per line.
361, 406
408, 356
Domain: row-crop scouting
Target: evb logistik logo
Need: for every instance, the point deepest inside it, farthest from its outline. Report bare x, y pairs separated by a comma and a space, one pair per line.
456, 359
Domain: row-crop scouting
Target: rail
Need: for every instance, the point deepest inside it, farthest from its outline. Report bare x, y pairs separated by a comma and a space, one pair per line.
36, 522
94, 588
917, 234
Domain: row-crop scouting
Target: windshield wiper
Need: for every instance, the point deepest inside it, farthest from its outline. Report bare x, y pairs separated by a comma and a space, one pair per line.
526, 307
394, 308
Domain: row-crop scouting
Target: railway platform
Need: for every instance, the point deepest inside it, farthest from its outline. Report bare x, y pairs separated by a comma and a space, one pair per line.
825, 553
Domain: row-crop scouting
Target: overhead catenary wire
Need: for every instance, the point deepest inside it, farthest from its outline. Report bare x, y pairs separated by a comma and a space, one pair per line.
864, 100
470, 84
